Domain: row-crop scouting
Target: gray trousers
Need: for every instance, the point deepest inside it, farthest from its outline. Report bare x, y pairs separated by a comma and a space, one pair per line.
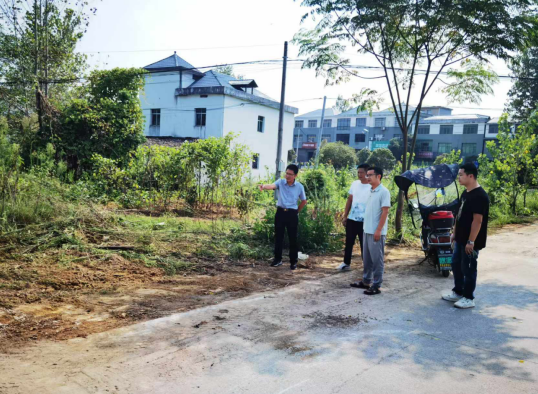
373, 260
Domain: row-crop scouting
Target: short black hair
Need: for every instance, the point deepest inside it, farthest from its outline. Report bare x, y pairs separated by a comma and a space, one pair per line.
294, 168
363, 166
469, 169
376, 170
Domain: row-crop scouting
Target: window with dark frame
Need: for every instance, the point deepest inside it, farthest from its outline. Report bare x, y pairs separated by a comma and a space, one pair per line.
380, 122
326, 137
261, 124
446, 129
200, 116
360, 137
255, 161
343, 138
470, 129
299, 123
343, 124
311, 138
298, 139
312, 124
468, 149
445, 147
493, 128
423, 129
327, 123
156, 117
360, 122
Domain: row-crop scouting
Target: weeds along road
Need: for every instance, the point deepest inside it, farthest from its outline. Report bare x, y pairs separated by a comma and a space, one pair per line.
318, 337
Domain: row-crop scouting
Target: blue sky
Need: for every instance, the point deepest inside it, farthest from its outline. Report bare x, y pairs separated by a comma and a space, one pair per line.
134, 33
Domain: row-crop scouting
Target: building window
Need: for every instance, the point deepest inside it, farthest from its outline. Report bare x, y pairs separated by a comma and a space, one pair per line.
360, 122
298, 139
425, 146
360, 138
327, 123
200, 116
343, 124
299, 123
493, 129
255, 161
379, 137
470, 129
326, 137
343, 138
312, 124
380, 122
261, 124
155, 117
311, 138
468, 149
423, 129
445, 147
446, 129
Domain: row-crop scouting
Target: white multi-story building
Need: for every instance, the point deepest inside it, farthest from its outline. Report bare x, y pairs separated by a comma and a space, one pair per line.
180, 101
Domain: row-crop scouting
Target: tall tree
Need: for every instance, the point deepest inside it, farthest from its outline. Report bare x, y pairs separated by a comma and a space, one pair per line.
523, 97
415, 42
38, 60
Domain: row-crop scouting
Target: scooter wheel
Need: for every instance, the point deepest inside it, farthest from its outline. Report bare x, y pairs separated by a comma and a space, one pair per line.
446, 273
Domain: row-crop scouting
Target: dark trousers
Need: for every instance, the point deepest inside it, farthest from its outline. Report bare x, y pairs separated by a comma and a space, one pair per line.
464, 269
286, 220
353, 229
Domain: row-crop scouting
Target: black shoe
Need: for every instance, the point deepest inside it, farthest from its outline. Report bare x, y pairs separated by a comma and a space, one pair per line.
359, 285
293, 267
372, 291
276, 263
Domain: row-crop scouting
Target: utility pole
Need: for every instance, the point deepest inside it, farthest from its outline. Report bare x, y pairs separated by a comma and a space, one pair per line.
320, 130
297, 144
281, 113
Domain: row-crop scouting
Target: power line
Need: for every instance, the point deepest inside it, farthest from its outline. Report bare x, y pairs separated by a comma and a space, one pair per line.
182, 49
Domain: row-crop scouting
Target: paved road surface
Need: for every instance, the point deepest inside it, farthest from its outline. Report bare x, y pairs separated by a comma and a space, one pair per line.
319, 337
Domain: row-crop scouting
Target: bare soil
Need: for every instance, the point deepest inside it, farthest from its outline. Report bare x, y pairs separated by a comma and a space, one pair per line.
41, 299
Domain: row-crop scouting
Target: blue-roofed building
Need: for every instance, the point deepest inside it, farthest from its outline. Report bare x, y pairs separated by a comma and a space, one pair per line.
182, 101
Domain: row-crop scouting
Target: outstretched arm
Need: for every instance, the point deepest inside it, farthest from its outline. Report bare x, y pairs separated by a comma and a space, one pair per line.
269, 186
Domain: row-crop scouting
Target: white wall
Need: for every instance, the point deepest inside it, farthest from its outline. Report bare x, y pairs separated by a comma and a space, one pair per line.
178, 113
243, 120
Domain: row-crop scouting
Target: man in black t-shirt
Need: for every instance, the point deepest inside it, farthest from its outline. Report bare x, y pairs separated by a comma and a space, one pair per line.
469, 237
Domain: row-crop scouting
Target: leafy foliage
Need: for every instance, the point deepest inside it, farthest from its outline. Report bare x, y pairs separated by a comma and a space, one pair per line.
513, 168
524, 93
363, 155
454, 157
382, 158
108, 121
338, 154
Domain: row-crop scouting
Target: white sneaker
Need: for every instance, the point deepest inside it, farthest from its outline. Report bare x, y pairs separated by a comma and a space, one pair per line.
464, 303
452, 297
343, 267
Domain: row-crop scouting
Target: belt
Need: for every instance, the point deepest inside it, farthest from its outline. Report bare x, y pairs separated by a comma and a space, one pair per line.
285, 209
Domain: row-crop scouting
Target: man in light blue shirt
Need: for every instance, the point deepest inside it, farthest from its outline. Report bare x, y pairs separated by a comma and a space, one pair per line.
289, 191
375, 233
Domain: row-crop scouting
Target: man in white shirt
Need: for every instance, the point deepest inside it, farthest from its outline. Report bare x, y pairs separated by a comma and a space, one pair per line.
354, 214
375, 233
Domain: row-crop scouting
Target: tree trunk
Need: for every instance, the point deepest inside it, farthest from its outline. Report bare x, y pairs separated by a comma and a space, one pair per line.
400, 201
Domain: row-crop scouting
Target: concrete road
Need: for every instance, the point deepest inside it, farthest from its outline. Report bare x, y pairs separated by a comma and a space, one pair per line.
319, 337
